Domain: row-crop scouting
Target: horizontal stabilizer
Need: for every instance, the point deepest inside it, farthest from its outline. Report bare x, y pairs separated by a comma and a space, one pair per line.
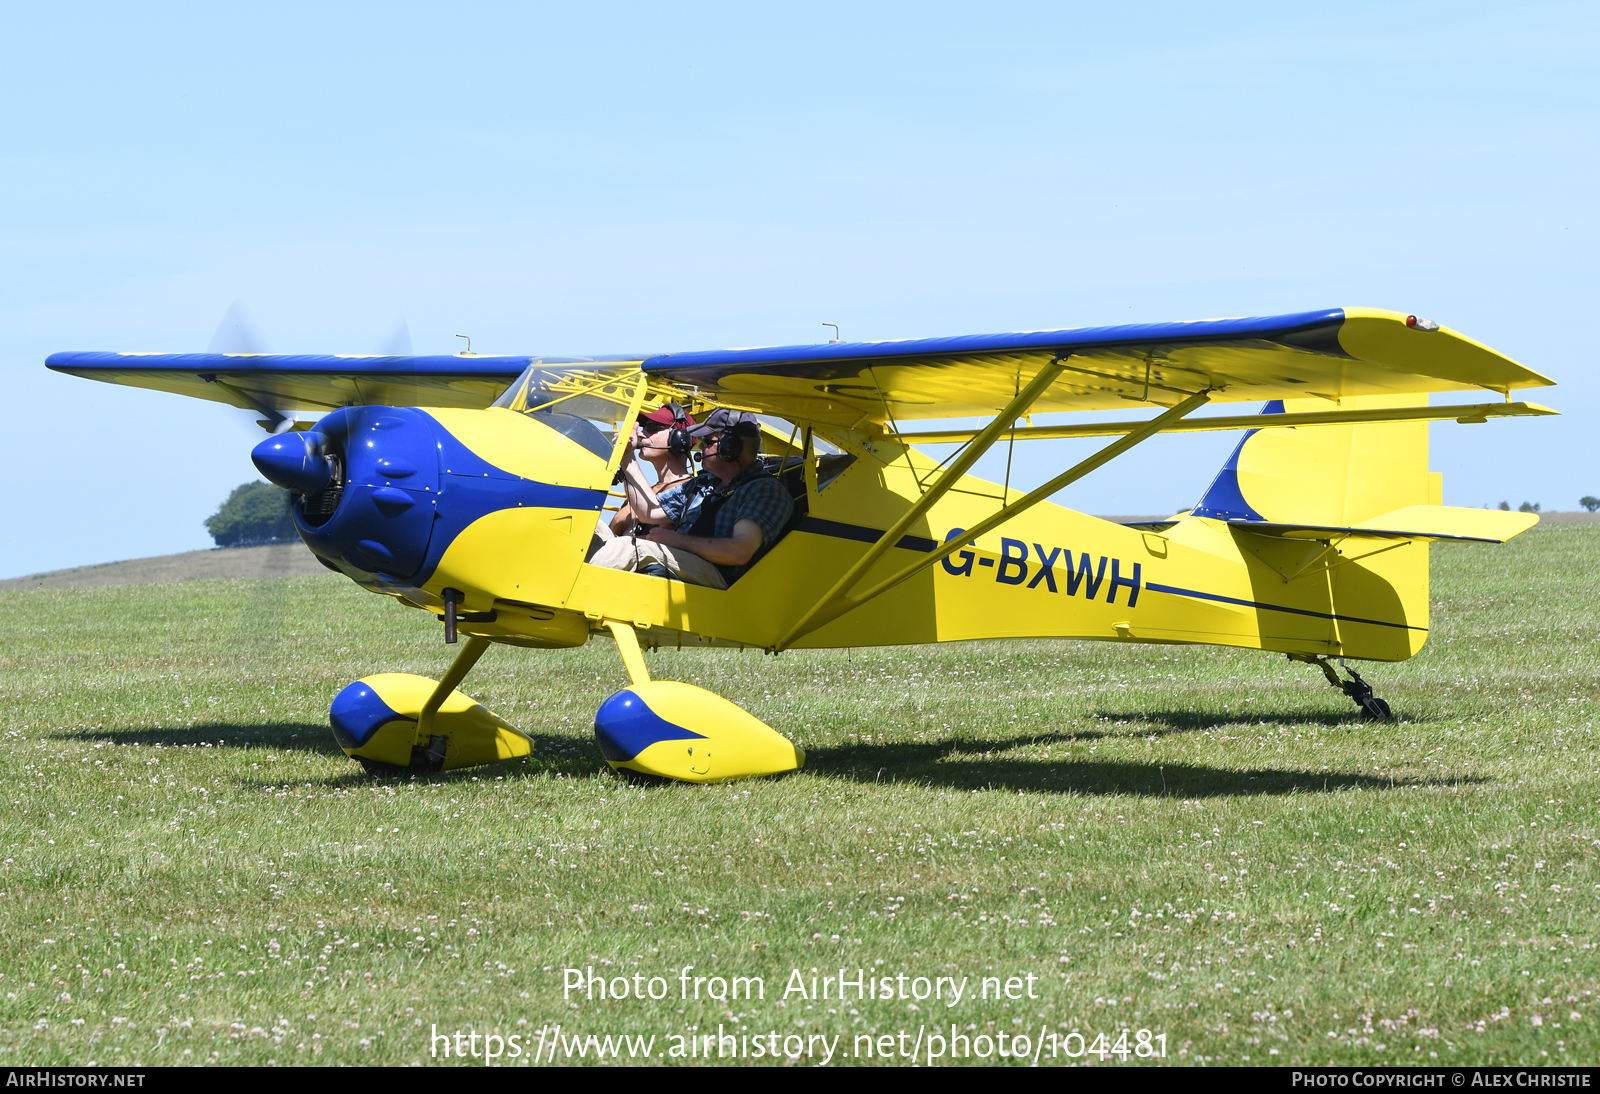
1424, 522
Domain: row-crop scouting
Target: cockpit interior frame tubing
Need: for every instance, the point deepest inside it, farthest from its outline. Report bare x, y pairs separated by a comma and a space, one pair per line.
590, 388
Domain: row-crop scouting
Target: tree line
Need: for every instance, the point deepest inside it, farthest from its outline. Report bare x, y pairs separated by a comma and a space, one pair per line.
255, 513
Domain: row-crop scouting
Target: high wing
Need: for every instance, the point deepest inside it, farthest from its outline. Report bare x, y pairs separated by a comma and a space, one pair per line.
1328, 354
278, 384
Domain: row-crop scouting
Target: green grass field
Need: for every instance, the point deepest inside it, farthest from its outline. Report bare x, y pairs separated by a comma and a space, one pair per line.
1205, 844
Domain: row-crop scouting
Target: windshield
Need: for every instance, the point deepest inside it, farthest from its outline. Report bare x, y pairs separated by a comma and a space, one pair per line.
597, 389
586, 398
580, 399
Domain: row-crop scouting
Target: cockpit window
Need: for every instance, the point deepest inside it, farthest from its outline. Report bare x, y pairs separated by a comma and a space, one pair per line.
583, 398
574, 428
782, 427
578, 398
597, 389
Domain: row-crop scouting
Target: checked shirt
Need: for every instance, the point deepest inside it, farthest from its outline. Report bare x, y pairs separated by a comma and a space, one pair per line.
752, 495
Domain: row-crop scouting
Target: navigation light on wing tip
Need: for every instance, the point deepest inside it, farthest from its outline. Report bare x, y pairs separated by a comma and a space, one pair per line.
1416, 322
295, 461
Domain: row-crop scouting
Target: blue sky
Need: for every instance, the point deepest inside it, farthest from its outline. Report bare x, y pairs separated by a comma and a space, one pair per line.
598, 179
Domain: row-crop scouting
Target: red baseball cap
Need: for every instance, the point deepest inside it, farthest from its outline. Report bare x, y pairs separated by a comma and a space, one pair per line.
662, 415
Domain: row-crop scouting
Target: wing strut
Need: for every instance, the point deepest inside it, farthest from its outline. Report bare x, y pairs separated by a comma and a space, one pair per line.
837, 601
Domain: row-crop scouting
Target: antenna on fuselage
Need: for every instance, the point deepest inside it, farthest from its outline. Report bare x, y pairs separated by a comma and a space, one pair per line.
468, 351
835, 340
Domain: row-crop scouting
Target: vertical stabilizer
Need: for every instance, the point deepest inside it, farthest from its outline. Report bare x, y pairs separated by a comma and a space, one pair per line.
1324, 475
1223, 499
1352, 595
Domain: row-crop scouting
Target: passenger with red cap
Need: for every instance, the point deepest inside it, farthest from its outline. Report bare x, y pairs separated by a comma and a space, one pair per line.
661, 438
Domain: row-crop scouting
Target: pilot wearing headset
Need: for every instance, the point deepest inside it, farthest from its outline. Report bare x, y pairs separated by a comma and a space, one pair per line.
712, 528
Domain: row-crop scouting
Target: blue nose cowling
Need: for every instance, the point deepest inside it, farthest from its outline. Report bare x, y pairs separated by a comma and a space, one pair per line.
385, 511
294, 461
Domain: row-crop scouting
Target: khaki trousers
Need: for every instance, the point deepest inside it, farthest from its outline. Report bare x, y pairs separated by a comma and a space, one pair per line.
623, 553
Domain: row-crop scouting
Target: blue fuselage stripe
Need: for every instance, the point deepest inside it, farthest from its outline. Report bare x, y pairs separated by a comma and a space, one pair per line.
1175, 591
839, 530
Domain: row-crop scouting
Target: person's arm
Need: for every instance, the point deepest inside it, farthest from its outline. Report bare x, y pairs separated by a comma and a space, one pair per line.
641, 499
622, 520
734, 550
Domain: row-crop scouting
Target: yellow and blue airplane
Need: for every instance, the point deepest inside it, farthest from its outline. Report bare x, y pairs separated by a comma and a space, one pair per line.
469, 486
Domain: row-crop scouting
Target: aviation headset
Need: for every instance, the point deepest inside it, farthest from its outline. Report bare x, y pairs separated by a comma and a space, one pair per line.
679, 443
730, 446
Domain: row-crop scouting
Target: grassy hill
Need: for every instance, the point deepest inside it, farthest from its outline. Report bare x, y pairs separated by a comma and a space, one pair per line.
277, 560
1205, 844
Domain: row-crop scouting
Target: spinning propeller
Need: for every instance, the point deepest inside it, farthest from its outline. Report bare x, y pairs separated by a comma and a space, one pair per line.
237, 334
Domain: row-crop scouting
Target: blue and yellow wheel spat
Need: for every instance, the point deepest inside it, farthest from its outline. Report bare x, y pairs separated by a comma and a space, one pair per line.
679, 731
376, 718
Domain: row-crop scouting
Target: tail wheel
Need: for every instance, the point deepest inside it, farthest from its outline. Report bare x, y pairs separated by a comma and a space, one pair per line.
1373, 709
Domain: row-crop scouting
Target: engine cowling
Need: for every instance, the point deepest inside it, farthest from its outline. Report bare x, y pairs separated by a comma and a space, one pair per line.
383, 514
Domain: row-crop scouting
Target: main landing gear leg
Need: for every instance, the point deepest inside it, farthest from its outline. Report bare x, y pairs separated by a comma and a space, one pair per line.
1373, 708
430, 751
